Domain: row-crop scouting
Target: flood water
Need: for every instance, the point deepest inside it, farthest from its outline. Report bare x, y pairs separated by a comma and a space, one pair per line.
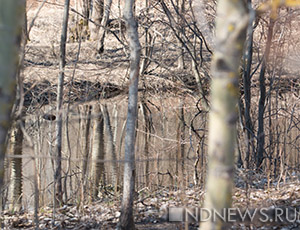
171, 146
166, 145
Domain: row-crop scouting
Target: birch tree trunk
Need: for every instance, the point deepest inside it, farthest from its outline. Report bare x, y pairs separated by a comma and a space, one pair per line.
126, 218
16, 188
11, 17
231, 25
62, 62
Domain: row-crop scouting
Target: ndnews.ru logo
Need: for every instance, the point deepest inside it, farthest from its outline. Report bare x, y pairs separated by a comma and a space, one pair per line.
231, 215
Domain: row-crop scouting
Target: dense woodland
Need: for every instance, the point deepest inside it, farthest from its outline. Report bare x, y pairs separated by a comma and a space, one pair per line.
113, 111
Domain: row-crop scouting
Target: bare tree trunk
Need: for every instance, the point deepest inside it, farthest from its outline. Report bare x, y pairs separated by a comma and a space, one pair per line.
262, 99
57, 176
86, 10
10, 30
97, 15
104, 23
182, 146
98, 152
247, 92
147, 138
16, 136
181, 10
111, 149
231, 25
86, 150
126, 218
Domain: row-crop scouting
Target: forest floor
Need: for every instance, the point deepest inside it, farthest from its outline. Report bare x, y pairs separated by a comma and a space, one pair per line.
254, 191
110, 72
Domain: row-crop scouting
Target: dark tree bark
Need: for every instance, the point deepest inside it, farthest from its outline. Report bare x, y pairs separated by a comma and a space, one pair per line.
126, 218
262, 99
247, 95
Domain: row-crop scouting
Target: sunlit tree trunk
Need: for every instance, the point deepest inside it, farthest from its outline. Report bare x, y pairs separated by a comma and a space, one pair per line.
231, 25
62, 62
126, 218
11, 17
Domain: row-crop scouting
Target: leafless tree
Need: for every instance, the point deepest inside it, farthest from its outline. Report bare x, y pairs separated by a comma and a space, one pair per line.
126, 218
261, 105
59, 124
